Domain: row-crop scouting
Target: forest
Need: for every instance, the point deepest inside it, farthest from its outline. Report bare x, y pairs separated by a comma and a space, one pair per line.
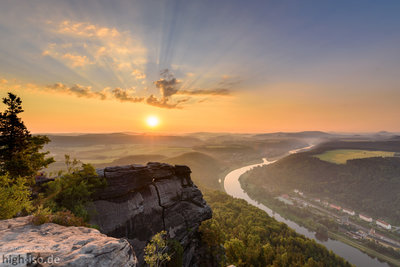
243, 235
369, 185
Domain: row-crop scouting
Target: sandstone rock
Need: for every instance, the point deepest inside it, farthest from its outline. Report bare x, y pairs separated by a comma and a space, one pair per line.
140, 201
55, 245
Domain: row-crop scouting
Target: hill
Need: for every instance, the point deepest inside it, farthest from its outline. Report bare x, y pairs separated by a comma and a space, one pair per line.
121, 138
368, 185
137, 159
206, 170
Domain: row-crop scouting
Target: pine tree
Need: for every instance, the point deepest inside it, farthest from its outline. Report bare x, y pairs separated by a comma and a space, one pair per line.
19, 150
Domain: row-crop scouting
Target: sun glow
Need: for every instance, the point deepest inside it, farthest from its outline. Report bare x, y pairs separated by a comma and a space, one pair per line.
152, 121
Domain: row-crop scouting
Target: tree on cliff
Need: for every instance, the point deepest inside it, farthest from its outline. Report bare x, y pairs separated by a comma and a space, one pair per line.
19, 150
156, 251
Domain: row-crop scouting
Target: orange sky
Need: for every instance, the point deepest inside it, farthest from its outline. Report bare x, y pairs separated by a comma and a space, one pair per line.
269, 111
216, 66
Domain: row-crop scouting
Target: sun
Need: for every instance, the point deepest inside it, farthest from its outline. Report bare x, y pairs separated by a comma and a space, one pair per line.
152, 121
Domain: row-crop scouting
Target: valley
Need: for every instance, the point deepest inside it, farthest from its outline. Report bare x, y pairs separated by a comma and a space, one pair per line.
213, 157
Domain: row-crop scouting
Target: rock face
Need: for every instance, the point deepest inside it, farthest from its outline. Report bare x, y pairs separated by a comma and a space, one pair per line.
140, 201
21, 244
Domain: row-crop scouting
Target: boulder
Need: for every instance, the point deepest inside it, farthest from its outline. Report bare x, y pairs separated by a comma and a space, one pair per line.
25, 244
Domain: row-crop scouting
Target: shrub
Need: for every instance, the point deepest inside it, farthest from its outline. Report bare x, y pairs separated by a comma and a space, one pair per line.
156, 251
65, 218
74, 189
14, 197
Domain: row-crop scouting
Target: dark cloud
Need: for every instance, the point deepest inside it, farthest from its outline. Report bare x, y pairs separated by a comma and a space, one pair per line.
205, 92
167, 87
164, 103
77, 90
123, 96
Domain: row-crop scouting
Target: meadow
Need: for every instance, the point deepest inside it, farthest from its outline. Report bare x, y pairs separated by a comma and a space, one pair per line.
341, 156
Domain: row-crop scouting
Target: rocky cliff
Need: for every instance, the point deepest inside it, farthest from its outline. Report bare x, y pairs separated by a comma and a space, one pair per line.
24, 244
140, 201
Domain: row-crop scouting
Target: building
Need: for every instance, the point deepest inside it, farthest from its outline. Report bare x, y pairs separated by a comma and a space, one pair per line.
296, 191
350, 212
383, 224
365, 218
325, 203
335, 207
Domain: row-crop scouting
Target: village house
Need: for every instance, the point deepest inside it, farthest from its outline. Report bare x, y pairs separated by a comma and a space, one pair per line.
335, 207
350, 212
383, 224
365, 218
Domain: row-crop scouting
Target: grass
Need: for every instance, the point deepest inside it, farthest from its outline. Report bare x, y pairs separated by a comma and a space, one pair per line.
341, 156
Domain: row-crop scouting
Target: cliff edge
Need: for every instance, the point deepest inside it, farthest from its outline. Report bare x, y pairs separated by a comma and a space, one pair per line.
140, 201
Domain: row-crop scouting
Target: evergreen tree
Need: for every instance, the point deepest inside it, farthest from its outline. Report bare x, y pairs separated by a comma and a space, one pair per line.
19, 150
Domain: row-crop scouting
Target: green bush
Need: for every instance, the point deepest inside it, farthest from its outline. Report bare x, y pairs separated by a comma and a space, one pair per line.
73, 190
66, 218
156, 251
14, 197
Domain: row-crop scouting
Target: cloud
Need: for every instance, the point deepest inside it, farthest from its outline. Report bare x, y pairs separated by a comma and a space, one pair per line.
170, 87
164, 102
82, 43
123, 96
86, 29
167, 87
138, 74
78, 90
77, 60
216, 92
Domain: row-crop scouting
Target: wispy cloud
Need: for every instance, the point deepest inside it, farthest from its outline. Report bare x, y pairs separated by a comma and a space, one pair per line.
77, 60
138, 74
91, 49
78, 90
165, 103
86, 29
216, 92
84, 44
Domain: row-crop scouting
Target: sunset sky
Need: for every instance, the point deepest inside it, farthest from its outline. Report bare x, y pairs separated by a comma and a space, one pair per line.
220, 66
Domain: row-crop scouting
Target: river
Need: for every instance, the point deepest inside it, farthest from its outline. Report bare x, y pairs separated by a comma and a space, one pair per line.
232, 187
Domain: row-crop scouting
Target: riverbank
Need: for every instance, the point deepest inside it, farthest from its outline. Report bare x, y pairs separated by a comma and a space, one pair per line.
311, 221
232, 187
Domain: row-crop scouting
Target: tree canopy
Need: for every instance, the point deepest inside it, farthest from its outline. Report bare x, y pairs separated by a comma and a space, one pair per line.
19, 151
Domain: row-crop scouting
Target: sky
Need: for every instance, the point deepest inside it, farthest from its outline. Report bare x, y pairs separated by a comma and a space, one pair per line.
216, 66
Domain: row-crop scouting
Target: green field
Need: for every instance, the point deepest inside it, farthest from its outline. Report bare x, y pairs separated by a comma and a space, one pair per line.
340, 156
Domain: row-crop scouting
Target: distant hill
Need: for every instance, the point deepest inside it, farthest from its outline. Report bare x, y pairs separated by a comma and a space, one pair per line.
392, 145
122, 138
305, 134
137, 159
205, 168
